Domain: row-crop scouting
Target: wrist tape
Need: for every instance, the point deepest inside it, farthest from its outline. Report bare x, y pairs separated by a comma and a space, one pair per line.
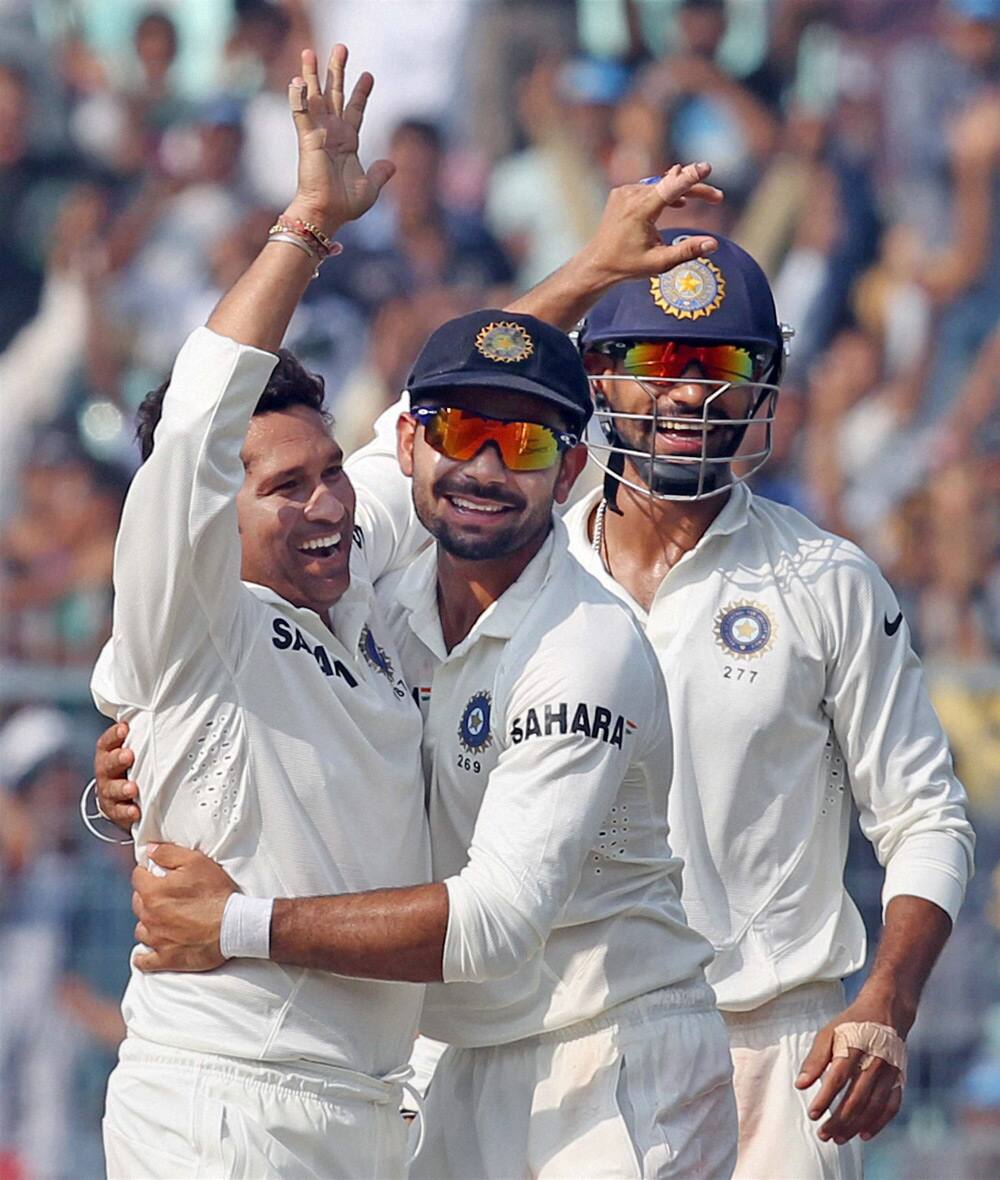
246, 927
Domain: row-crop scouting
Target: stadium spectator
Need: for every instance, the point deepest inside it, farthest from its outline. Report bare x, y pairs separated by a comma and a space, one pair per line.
544, 202
712, 116
121, 115
37, 1042
56, 554
419, 239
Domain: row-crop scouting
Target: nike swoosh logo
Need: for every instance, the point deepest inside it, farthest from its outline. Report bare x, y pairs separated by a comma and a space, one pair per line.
893, 627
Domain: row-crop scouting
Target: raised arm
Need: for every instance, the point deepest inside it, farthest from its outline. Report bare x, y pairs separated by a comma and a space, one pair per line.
333, 189
627, 245
180, 512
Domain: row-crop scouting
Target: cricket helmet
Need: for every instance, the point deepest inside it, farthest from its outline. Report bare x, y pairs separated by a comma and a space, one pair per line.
714, 314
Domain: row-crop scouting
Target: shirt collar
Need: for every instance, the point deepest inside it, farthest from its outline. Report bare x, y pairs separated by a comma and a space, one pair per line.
417, 594
348, 615
734, 515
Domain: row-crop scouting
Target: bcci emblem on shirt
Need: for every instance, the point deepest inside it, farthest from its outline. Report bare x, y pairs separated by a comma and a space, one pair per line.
744, 629
474, 728
374, 656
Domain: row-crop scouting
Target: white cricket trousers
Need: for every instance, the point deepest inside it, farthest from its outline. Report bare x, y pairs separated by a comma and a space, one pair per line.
174, 1115
644, 1092
778, 1140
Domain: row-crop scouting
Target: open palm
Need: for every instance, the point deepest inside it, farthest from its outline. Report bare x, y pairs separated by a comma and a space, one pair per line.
333, 187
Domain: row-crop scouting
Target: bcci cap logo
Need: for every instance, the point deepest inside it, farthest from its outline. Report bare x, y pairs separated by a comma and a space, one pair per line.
505, 342
474, 728
375, 656
691, 290
745, 629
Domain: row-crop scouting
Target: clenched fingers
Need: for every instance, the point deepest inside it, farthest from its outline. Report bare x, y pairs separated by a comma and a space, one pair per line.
117, 795
113, 737
174, 958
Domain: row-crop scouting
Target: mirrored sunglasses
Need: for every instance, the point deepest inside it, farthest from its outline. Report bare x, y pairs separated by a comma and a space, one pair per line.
671, 359
461, 435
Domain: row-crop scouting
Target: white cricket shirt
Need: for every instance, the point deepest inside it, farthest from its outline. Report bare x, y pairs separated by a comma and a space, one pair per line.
287, 751
792, 686
547, 754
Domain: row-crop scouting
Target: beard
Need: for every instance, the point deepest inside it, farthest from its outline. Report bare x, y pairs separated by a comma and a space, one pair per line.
666, 478
469, 545
668, 475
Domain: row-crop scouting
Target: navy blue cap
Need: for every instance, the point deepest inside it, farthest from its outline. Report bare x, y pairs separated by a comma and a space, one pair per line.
504, 350
721, 298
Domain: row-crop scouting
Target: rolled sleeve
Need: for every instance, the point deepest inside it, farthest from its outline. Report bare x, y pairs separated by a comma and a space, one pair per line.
488, 937
931, 865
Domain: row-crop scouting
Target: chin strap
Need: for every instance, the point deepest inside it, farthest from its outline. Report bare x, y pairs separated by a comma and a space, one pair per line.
616, 466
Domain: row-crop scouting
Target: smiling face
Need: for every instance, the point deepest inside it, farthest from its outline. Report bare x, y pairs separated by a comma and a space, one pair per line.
478, 509
296, 509
691, 419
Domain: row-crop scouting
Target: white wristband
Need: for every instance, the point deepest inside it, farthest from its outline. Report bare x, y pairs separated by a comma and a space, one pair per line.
246, 927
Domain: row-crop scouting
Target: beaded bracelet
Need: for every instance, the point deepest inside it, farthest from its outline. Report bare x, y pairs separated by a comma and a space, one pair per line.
309, 233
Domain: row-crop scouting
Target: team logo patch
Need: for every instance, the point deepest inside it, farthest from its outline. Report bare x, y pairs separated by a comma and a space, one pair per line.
505, 342
745, 629
374, 656
691, 290
474, 728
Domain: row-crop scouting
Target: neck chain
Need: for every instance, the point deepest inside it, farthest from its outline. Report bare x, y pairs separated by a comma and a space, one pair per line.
598, 541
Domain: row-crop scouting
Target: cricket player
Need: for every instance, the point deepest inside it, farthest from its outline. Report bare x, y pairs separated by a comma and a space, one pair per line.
793, 689
562, 972
251, 662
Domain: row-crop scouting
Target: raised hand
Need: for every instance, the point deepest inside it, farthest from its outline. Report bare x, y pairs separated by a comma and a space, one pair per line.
627, 244
333, 187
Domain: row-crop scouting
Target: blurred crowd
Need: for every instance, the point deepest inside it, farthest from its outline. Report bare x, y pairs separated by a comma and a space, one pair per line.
144, 151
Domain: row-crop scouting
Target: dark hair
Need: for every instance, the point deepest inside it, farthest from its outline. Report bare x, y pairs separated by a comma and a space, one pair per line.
264, 12
422, 129
289, 385
157, 17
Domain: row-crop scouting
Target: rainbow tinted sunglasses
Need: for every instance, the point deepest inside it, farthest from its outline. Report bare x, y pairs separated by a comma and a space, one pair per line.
670, 360
461, 435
